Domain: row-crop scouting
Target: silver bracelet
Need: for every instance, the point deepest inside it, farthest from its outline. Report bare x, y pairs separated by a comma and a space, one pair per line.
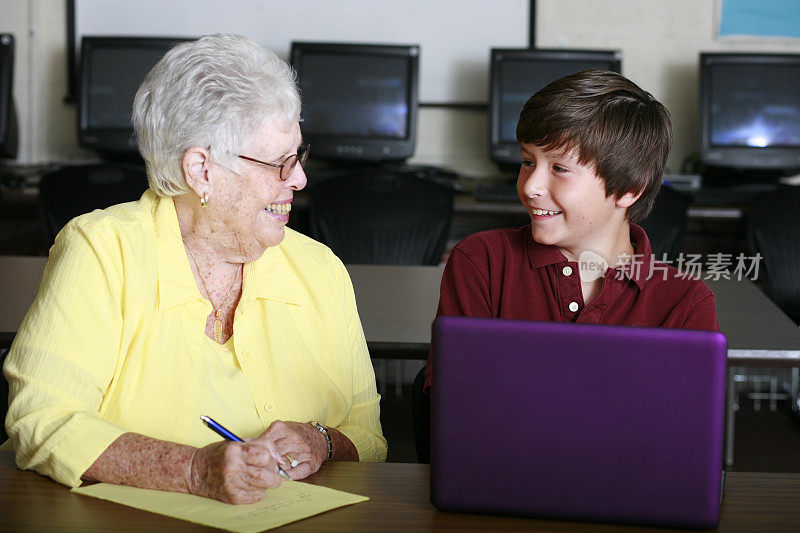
322, 429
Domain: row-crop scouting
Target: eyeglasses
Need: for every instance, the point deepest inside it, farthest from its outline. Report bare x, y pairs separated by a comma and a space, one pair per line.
287, 167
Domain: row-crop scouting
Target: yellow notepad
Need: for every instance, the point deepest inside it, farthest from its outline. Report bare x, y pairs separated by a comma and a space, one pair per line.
290, 502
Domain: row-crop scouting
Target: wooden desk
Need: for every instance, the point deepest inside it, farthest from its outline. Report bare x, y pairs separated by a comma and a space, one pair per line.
19, 281
398, 303
399, 501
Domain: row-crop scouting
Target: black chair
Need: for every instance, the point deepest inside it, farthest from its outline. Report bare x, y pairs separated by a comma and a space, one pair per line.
72, 191
666, 223
421, 404
380, 216
773, 230
385, 216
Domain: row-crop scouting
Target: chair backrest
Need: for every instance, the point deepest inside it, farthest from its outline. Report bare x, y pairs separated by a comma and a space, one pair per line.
382, 217
773, 230
421, 405
666, 223
72, 191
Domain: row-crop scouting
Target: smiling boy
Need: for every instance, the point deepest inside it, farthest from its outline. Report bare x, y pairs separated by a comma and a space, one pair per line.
593, 147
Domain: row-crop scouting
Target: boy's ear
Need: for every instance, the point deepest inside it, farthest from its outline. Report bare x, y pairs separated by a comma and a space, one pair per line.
628, 199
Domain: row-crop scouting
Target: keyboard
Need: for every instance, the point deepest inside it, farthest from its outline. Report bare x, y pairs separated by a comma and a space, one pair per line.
496, 192
728, 196
438, 175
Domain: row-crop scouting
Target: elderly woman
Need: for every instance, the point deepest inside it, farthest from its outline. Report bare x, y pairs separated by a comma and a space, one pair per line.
197, 300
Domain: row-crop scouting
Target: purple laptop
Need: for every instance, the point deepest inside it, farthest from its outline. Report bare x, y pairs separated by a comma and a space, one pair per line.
580, 422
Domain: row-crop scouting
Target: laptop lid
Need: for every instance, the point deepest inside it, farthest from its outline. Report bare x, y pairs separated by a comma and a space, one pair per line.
581, 422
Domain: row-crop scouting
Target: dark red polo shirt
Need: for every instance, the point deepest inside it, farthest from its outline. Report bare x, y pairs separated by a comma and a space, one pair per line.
504, 273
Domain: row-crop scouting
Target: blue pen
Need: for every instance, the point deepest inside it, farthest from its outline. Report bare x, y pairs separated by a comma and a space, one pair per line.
227, 435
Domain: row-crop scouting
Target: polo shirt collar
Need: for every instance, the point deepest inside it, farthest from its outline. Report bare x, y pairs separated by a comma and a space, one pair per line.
541, 255
640, 268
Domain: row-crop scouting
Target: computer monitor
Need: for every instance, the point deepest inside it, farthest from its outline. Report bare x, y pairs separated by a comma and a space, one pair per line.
516, 74
9, 129
359, 100
749, 115
111, 70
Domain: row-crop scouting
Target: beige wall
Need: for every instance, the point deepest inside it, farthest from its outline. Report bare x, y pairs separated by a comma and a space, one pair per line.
16, 20
660, 42
47, 124
659, 39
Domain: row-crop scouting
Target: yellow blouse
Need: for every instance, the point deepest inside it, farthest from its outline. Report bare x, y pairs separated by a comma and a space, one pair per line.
115, 342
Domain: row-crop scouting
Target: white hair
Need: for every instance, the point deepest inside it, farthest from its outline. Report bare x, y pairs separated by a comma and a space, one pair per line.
214, 92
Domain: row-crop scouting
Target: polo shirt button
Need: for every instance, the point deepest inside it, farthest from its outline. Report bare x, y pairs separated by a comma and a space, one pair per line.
269, 407
245, 355
567, 271
573, 306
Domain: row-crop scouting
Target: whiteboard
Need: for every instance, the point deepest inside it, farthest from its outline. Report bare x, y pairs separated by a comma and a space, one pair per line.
455, 36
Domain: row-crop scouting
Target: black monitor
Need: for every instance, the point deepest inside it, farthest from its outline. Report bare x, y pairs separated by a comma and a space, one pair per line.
516, 74
9, 129
749, 115
111, 70
359, 100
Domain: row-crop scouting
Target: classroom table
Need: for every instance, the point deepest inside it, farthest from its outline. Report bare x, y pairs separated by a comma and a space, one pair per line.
399, 501
398, 303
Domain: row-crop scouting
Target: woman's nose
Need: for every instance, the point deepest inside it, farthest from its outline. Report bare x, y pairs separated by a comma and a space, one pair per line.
297, 178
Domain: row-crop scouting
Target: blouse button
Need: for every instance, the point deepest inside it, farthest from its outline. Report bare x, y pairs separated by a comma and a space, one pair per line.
573, 306
269, 407
567, 271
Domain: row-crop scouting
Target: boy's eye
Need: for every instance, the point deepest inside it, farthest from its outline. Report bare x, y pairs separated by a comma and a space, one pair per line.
528, 163
559, 168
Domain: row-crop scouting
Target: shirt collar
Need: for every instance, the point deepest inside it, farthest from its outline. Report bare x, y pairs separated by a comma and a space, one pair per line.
270, 277
541, 255
176, 284
273, 276
639, 269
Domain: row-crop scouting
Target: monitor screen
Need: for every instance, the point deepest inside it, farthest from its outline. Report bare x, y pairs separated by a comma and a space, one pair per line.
750, 111
516, 74
112, 68
359, 101
9, 134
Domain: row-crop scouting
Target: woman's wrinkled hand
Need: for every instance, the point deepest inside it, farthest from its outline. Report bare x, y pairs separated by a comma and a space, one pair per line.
235, 472
300, 442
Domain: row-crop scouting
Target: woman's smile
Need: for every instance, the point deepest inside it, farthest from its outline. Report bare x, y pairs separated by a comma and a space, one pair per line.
279, 210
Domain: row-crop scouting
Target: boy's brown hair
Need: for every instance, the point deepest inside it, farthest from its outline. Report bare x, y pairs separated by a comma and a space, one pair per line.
612, 122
